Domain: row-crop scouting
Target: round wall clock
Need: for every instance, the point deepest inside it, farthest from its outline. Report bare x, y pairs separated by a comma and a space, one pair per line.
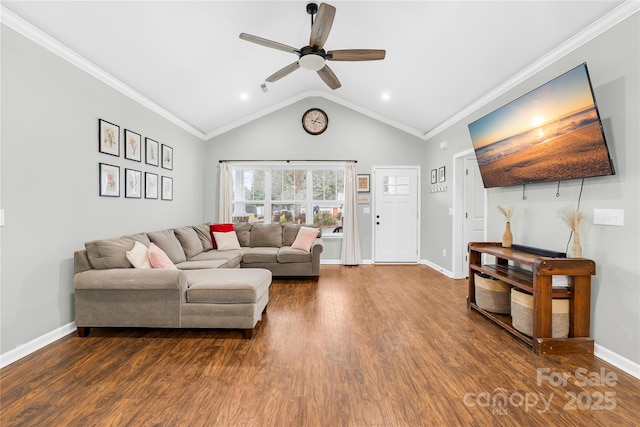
315, 121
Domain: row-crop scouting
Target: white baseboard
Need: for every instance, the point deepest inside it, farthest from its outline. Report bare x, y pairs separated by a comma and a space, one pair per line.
438, 268
35, 344
616, 360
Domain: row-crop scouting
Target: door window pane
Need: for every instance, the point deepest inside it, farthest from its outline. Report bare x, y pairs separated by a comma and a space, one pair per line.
395, 185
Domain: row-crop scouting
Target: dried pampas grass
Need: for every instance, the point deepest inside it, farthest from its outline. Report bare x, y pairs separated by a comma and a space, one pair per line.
573, 218
507, 212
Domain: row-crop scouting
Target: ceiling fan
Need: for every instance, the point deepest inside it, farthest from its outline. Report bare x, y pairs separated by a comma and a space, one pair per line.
313, 57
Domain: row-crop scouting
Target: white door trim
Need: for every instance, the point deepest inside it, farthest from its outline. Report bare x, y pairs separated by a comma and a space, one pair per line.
419, 206
458, 214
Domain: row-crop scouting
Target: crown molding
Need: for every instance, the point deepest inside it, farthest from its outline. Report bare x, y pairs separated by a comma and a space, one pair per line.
18, 24
611, 19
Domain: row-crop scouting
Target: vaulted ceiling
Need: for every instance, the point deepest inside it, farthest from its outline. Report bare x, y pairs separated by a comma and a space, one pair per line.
185, 58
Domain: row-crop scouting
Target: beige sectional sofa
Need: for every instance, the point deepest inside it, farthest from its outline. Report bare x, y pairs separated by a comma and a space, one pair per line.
208, 289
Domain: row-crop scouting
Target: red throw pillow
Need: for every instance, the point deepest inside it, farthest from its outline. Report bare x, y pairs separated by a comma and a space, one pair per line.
219, 228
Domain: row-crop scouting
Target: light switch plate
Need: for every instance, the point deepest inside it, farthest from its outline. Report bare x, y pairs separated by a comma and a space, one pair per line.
608, 217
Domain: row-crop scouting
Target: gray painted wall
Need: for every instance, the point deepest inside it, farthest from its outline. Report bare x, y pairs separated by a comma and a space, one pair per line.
613, 61
279, 136
49, 182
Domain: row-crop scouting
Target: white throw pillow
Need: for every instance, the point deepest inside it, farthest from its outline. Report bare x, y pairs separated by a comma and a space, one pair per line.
226, 241
138, 256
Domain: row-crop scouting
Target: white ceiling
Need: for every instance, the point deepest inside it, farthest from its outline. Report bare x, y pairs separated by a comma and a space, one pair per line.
186, 57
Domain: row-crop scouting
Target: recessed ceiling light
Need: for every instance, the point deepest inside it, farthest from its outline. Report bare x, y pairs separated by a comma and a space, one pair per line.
386, 96
244, 96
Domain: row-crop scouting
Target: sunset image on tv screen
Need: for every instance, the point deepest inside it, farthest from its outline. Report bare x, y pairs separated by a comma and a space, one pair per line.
552, 133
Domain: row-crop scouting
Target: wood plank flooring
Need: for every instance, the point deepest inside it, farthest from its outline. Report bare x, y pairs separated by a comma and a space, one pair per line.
362, 346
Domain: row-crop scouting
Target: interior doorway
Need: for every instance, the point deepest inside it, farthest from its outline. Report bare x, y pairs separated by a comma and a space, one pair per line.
469, 209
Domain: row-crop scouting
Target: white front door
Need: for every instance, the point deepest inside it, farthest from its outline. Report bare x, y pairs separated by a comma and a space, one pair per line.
396, 214
473, 220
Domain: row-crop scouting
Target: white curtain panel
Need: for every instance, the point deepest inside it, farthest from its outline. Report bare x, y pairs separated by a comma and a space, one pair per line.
351, 239
226, 193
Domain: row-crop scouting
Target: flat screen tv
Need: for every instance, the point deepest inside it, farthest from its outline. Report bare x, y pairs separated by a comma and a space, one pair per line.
552, 133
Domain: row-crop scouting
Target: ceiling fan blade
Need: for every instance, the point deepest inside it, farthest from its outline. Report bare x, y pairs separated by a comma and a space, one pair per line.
283, 72
322, 25
356, 55
267, 43
329, 77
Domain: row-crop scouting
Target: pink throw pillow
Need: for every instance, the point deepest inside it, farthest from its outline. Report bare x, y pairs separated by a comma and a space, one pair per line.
159, 259
305, 238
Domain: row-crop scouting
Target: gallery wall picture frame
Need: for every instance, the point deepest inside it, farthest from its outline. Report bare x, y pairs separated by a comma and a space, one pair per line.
167, 157
109, 178
108, 138
150, 185
167, 188
132, 184
363, 183
434, 176
132, 145
152, 152
441, 174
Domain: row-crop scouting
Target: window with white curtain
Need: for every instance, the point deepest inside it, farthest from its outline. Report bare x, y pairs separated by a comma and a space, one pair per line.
300, 194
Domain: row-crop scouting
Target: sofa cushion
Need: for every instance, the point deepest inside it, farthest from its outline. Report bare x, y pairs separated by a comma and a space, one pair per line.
232, 258
266, 235
169, 243
159, 259
191, 244
226, 241
138, 256
287, 254
290, 232
109, 253
140, 237
305, 238
202, 265
204, 235
260, 255
243, 231
226, 285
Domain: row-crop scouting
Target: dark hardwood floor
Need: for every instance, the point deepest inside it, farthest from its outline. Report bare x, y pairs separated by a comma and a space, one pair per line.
363, 346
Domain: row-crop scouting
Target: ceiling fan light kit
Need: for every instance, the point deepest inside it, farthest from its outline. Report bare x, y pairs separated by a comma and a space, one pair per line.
313, 57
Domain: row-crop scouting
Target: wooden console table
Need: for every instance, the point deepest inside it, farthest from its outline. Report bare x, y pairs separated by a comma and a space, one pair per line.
533, 274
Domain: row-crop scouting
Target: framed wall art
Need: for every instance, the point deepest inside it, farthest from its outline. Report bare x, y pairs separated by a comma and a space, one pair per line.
133, 184
363, 183
167, 157
150, 185
167, 188
441, 174
109, 180
151, 152
434, 176
132, 145
109, 138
